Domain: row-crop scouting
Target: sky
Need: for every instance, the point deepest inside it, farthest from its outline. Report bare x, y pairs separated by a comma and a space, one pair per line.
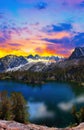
44, 27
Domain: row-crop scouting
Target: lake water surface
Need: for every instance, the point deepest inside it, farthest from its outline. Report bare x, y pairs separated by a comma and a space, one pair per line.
51, 103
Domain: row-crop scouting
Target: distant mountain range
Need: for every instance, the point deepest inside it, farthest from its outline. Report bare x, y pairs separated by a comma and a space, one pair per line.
37, 57
37, 63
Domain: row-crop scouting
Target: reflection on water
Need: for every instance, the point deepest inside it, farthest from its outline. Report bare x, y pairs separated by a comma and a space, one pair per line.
66, 106
39, 110
51, 103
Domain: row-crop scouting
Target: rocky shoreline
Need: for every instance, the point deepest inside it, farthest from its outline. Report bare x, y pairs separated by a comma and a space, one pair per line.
12, 125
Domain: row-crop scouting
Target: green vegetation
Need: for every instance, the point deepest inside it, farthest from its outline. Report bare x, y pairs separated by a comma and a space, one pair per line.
5, 107
74, 74
13, 107
19, 107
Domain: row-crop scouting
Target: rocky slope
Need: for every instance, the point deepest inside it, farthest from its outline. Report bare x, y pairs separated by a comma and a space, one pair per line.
11, 61
71, 62
77, 53
20, 63
11, 125
75, 59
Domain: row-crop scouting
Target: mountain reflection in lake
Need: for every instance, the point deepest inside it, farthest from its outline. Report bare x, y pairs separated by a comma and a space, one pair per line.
51, 103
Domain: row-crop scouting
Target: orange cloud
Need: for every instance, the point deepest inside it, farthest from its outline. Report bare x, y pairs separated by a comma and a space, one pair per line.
55, 35
24, 42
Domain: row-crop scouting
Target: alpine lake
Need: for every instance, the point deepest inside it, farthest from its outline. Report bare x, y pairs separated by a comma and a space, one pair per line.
50, 103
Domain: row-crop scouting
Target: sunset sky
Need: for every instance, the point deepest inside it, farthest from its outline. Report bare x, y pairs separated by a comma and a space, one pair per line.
44, 27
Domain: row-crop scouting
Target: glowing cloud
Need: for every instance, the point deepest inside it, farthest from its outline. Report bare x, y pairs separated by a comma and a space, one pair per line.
41, 27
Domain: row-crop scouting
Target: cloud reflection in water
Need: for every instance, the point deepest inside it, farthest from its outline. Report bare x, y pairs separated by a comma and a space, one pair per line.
39, 110
66, 106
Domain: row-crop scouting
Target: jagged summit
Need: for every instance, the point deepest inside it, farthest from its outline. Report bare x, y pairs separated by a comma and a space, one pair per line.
11, 61
33, 57
35, 63
37, 57
77, 53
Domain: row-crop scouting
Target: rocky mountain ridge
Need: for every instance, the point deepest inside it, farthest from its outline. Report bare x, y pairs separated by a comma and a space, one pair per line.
40, 64
11, 61
37, 57
20, 63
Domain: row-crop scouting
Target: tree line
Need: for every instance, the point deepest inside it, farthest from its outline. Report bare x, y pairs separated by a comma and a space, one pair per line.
72, 73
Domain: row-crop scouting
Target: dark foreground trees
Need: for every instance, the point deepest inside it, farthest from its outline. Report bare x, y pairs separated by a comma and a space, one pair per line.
5, 107
13, 107
78, 115
19, 107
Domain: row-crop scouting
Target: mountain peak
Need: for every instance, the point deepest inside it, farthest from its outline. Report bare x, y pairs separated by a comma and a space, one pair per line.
77, 53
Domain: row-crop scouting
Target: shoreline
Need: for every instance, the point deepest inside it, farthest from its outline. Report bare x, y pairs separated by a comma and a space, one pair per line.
12, 125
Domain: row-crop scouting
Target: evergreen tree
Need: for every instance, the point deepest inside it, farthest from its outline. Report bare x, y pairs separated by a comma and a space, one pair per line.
19, 107
5, 107
13, 108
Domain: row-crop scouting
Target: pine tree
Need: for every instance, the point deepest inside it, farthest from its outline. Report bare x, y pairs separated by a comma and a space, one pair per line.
19, 107
5, 107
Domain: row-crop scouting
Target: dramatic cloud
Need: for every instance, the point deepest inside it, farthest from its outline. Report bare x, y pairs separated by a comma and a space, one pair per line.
69, 42
58, 28
64, 40
78, 39
41, 5
42, 27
